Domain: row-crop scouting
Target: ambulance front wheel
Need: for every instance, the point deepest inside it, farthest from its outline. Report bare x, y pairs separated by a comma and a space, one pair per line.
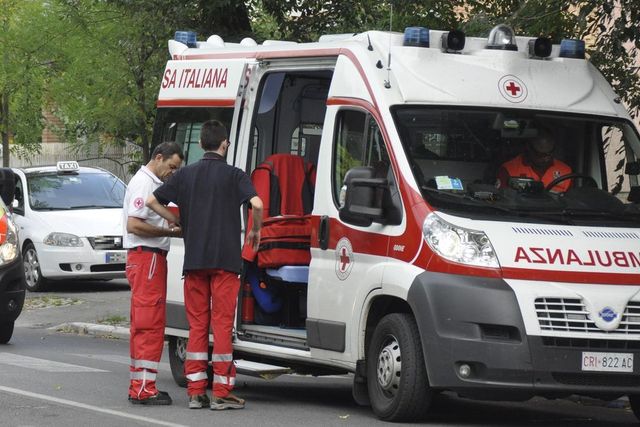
396, 374
634, 401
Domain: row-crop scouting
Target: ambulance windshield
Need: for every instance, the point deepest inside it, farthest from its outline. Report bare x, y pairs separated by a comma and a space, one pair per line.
531, 165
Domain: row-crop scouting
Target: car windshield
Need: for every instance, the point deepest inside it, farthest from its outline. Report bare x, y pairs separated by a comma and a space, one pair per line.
524, 165
75, 191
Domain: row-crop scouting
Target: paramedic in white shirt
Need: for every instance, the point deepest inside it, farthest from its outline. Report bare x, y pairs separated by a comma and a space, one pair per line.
147, 238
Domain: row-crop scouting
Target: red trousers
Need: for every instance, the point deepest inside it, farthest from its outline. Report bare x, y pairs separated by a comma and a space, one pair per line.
210, 298
147, 275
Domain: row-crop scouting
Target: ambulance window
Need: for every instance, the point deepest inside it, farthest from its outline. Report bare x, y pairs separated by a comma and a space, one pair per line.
182, 126
358, 142
616, 155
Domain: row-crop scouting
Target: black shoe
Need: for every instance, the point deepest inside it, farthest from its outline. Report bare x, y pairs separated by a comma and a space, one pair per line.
162, 398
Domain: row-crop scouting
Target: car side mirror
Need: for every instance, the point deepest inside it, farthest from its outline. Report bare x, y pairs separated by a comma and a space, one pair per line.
363, 195
7, 186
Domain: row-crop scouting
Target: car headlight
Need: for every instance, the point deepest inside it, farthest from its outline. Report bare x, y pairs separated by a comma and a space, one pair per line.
63, 239
458, 244
9, 249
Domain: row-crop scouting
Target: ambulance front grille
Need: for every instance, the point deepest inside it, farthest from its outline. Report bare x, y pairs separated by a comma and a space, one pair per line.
570, 315
103, 243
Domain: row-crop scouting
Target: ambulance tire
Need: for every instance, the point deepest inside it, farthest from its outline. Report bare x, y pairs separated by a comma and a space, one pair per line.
34, 281
396, 374
6, 331
177, 357
634, 402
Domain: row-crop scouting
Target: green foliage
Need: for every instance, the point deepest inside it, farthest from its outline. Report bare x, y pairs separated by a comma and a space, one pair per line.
306, 20
26, 52
98, 63
616, 48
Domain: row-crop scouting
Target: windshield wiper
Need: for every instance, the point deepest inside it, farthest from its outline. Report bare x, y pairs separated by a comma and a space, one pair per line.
475, 202
586, 213
92, 207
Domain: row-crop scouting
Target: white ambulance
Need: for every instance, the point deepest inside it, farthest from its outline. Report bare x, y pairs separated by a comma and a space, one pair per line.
426, 273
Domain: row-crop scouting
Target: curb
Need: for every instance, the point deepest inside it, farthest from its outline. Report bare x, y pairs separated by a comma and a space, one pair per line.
82, 328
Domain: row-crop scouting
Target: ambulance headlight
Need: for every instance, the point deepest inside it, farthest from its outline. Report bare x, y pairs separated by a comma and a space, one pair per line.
9, 249
458, 244
63, 239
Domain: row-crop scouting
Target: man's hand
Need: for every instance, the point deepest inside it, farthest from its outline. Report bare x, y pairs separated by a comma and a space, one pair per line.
160, 209
175, 230
253, 239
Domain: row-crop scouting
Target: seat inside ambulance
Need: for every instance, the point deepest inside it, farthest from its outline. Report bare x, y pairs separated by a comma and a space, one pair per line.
287, 132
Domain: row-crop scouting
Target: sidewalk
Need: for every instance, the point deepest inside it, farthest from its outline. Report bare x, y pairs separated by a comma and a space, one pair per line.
83, 328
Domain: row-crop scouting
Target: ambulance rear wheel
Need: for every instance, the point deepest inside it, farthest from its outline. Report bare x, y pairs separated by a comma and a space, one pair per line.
396, 374
177, 357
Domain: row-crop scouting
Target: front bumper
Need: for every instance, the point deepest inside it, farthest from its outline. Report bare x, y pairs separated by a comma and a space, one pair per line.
477, 321
58, 262
12, 290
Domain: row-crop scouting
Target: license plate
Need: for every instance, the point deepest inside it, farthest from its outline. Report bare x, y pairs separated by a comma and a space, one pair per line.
115, 257
607, 362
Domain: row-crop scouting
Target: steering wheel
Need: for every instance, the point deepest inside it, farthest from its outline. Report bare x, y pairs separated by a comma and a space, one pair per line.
563, 178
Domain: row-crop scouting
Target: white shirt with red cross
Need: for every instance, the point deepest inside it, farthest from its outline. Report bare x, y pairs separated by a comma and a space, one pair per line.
141, 186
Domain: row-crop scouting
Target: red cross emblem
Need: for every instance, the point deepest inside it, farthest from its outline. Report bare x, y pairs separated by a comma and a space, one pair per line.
344, 258
138, 203
513, 88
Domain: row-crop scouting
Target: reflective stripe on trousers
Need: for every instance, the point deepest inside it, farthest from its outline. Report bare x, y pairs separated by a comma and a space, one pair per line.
217, 289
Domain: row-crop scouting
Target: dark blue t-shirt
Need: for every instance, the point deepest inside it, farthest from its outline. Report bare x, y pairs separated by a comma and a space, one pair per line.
209, 194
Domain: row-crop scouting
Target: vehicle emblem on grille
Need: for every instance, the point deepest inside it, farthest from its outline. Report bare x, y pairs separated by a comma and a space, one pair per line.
607, 314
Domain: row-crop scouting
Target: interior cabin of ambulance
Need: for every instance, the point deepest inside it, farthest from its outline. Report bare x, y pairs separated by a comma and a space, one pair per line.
456, 153
286, 128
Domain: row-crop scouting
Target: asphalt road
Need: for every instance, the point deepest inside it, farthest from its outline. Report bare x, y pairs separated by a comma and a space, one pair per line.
56, 378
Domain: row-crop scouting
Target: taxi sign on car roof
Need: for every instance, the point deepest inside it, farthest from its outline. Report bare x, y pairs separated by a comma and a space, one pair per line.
68, 166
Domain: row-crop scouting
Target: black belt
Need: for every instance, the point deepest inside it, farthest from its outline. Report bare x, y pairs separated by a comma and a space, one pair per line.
148, 249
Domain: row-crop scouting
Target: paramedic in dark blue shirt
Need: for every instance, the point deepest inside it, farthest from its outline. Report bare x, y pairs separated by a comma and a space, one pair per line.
209, 194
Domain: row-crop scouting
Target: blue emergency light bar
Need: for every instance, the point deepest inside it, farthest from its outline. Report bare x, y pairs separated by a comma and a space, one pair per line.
186, 37
572, 48
416, 36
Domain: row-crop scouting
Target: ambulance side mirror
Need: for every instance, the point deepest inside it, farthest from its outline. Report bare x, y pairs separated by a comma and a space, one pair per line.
7, 186
362, 197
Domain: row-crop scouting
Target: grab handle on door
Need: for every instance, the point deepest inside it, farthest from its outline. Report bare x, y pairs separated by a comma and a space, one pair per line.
323, 233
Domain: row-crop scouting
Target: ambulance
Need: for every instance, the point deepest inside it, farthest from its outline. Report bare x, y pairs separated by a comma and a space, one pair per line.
422, 273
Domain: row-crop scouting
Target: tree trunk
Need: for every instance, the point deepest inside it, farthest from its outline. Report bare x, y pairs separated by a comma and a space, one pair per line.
4, 125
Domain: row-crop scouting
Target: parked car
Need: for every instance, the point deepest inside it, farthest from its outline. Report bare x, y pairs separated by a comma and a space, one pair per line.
70, 222
12, 289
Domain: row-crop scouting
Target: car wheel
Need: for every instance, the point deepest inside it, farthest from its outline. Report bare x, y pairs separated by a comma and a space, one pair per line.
33, 276
6, 331
396, 374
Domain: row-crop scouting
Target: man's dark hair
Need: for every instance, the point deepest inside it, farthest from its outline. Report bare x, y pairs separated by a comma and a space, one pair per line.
212, 134
167, 150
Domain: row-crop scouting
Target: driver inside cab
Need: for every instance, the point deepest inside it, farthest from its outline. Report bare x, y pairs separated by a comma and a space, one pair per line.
537, 162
